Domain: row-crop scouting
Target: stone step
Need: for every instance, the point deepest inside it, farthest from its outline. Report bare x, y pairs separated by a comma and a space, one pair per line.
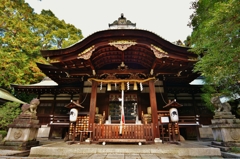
182, 150
222, 148
18, 145
227, 144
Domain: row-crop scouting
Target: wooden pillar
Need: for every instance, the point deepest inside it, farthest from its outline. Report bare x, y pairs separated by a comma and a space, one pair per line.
153, 104
52, 115
92, 108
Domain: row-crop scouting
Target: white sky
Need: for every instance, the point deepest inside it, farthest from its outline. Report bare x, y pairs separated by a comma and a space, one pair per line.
166, 18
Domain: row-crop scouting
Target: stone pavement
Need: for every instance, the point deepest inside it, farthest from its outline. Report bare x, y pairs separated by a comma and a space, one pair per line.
61, 150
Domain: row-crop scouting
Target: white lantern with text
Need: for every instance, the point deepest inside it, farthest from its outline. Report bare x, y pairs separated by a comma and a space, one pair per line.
73, 115
173, 115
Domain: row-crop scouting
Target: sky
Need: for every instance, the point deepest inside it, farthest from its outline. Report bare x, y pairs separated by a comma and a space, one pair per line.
166, 18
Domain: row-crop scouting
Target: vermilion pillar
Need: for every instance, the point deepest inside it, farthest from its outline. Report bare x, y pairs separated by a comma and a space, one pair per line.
153, 104
92, 108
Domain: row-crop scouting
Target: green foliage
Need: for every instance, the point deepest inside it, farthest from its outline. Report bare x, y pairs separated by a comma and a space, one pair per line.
8, 112
235, 149
55, 34
215, 38
19, 49
22, 34
3, 133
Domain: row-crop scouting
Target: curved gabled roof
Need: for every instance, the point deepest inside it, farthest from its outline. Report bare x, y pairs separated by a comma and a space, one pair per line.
103, 52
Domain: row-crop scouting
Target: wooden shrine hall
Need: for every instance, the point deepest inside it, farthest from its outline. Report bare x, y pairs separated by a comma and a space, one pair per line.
120, 81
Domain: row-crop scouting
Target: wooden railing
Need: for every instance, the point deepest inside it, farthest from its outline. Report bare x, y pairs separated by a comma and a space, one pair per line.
188, 120
59, 119
53, 120
129, 131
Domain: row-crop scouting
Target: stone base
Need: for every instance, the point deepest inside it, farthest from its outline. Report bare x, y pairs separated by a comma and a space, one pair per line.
226, 130
225, 121
223, 115
21, 134
18, 145
24, 123
226, 133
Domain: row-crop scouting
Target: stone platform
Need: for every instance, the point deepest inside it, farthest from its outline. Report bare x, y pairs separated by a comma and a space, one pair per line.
186, 149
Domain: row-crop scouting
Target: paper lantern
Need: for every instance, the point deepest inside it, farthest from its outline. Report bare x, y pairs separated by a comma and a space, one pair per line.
73, 115
173, 115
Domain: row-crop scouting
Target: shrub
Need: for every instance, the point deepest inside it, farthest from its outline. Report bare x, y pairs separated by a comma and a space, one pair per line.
3, 133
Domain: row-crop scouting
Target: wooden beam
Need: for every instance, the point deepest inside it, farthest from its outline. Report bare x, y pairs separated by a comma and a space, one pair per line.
117, 71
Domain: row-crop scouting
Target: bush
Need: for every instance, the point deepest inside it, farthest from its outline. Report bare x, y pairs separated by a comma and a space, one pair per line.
3, 133
8, 112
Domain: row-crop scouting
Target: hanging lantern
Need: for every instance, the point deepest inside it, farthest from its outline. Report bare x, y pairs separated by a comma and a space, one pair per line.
173, 115
109, 87
73, 115
135, 86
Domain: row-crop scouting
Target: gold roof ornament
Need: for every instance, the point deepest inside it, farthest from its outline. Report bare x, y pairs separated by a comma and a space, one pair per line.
122, 44
87, 53
53, 60
158, 52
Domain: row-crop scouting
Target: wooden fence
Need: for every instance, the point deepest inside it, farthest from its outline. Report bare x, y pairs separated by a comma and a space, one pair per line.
130, 132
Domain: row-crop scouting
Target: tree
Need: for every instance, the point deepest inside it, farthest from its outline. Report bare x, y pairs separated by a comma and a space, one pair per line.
55, 33
216, 38
23, 34
9, 112
19, 47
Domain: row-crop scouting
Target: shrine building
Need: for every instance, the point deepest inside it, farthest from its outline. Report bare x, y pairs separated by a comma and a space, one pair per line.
122, 81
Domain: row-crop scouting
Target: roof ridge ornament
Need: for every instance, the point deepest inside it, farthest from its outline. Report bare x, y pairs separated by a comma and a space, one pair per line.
122, 23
